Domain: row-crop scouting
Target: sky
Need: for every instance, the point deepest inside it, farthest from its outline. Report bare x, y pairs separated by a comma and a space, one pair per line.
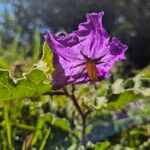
5, 7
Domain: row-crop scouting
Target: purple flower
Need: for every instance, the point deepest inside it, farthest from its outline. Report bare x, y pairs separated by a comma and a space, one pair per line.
120, 115
134, 104
86, 54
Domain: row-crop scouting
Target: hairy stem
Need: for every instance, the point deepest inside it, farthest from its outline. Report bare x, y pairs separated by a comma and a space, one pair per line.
83, 117
82, 114
77, 106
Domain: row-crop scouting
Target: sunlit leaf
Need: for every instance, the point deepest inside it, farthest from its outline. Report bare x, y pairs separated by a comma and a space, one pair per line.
62, 123
47, 58
31, 85
119, 100
102, 145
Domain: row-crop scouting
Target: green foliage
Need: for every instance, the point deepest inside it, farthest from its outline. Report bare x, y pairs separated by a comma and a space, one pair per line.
47, 58
118, 100
8, 126
15, 55
102, 146
8, 53
32, 85
62, 123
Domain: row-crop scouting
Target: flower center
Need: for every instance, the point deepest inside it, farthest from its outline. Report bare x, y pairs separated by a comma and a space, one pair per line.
91, 70
91, 67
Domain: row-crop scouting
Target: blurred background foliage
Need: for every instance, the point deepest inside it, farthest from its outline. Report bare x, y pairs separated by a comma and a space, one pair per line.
33, 118
129, 20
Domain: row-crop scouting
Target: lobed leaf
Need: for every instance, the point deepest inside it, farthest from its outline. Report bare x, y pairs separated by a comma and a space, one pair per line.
32, 85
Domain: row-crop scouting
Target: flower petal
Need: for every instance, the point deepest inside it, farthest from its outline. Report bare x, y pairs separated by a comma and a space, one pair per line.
89, 42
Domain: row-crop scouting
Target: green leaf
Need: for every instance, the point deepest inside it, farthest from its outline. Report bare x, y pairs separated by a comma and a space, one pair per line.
36, 76
47, 58
145, 72
8, 126
102, 145
62, 123
41, 122
119, 100
3, 64
6, 85
32, 85
146, 75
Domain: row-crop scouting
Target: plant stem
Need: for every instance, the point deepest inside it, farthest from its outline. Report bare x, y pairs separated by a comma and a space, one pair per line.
82, 114
8, 125
83, 117
75, 102
77, 106
45, 139
83, 137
